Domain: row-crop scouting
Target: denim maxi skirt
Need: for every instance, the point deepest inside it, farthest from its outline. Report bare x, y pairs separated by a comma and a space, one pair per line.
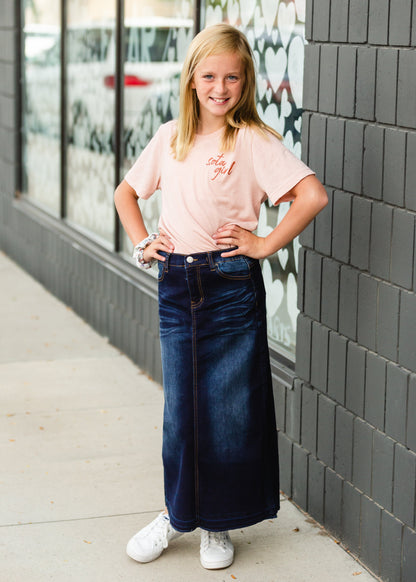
219, 434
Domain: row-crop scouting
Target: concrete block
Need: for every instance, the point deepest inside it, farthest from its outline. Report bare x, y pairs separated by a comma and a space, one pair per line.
321, 13
360, 232
330, 292
387, 335
402, 248
411, 416
413, 25
334, 152
410, 182
279, 394
313, 276
333, 502
404, 485
375, 390
326, 430
301, 278
307, 236
300, 476
391, 546
367, 311
380, 245
328, 78
311, 77
344, 423
323, 227
370, 533
358, 21
317, 137
382, 470
378, 25
386, 85
355, 379
400, 21
409, 555
351, 516
341, 226
309, 20
285, 463
406, 92
347, 62
353, 156
319, 360
362, 455
303, 347
316, 489
309, 419
339, 21
293, 411
394, 166
407, 331
337, 361
348, 301
304, 142
396, 402
366, 82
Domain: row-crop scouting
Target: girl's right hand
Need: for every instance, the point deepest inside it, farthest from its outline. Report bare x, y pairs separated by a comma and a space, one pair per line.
162, 243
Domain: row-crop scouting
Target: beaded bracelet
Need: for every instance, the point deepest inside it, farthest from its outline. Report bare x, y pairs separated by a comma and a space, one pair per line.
139, 250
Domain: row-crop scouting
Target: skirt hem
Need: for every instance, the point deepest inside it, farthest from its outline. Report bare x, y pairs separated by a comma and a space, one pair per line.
223, 524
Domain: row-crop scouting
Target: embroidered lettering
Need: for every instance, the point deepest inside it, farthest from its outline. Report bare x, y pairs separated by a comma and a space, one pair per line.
220, 167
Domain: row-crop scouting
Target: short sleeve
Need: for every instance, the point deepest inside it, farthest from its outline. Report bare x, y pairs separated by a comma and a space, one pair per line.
276, 168
145, 174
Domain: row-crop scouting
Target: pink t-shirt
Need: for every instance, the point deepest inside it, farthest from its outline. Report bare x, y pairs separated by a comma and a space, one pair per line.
210, 188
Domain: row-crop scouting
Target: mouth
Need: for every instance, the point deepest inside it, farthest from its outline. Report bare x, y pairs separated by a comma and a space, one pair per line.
220, 101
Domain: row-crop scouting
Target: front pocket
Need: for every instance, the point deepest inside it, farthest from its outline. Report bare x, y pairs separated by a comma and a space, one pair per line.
234, 268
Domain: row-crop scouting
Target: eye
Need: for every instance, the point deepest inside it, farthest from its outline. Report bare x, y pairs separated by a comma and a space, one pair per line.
232, 78
208, 77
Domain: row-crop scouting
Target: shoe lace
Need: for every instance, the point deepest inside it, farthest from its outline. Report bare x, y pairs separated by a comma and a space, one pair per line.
160, 529
219, 538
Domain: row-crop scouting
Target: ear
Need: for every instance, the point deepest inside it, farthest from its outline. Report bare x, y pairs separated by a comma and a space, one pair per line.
193, 84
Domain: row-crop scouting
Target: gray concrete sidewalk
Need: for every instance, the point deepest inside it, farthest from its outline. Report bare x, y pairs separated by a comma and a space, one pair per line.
80, 441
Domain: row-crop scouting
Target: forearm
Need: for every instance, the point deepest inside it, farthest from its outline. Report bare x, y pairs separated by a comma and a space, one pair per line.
129, 212
302, 211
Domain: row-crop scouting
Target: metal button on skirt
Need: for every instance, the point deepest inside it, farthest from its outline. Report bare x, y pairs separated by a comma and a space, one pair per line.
219, 435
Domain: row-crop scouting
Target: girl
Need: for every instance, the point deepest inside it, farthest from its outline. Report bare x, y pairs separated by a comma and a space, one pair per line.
215, 165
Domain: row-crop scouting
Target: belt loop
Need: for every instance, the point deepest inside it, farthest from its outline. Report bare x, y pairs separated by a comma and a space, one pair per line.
211, 261
167, 259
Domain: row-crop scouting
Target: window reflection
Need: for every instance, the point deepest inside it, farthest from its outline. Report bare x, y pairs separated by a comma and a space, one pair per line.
41, 105
156, 38
276, 33
90, 117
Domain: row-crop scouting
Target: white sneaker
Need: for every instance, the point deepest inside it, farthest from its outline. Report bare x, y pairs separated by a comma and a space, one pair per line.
149, 542
217, 551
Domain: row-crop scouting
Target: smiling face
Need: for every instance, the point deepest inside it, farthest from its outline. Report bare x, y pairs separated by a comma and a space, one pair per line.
218, 81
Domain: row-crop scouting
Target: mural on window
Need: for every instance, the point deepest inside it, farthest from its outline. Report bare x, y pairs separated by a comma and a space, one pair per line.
90, 117
41, 104
276, 32
156, 38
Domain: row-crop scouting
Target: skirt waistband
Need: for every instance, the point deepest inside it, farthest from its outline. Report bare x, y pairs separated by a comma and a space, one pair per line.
196, 259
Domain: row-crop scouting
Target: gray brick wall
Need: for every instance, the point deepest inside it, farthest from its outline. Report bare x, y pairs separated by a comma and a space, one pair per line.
347, 428
358, 362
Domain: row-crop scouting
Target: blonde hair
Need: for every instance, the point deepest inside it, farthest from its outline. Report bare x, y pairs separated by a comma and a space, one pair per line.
214, 40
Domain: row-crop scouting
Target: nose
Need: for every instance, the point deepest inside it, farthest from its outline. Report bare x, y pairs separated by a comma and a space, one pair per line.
220, 86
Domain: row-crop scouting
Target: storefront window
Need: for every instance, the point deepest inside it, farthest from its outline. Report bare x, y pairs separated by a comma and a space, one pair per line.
156, 38
90, 117
276, 32
41, 104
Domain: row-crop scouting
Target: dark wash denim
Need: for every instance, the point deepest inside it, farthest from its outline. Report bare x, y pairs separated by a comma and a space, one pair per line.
219, 435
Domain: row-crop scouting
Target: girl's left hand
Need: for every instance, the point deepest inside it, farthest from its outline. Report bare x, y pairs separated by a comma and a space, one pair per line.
246, 242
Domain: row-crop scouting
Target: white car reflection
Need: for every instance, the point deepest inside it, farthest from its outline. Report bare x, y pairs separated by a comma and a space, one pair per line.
154, 50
